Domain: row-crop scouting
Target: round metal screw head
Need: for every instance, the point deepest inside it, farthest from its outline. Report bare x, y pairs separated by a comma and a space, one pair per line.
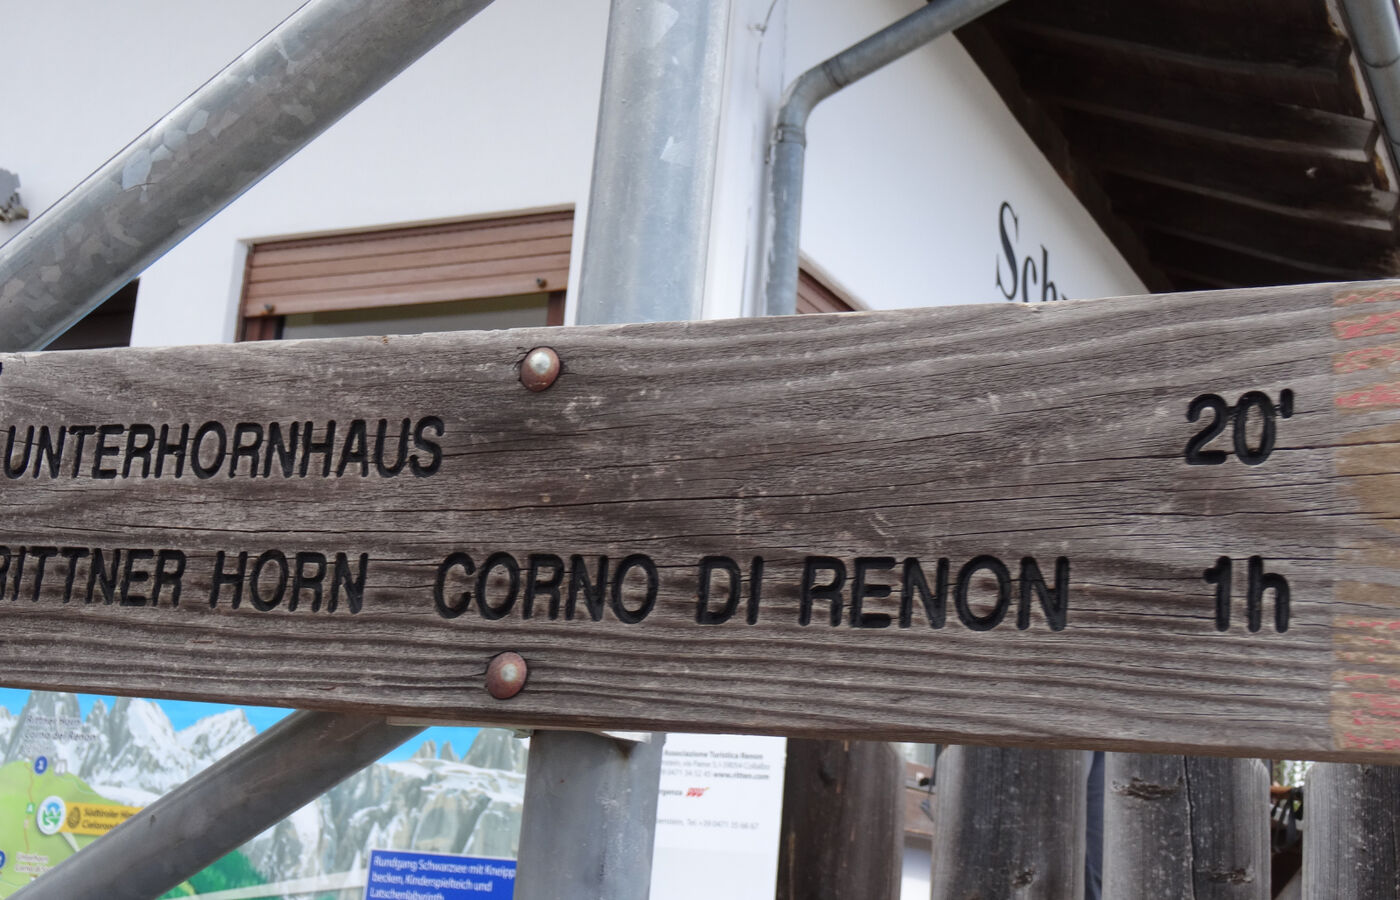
505, 675
540, 368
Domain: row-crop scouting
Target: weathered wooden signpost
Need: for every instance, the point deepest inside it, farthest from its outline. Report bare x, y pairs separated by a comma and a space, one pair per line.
1151, 524
1087, 524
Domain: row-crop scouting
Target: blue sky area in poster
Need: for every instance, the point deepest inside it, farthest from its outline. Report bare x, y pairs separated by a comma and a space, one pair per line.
184, 713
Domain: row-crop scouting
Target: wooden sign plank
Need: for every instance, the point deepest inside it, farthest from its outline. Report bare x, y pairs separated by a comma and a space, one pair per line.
1161, 523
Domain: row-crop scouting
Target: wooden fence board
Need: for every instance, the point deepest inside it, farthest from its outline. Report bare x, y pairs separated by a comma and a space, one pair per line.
984, 436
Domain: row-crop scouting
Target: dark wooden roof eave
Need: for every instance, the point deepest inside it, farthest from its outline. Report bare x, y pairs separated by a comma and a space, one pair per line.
1218, 143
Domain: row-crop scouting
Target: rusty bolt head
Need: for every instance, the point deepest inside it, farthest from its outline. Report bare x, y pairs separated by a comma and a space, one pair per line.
540, 368
506, 675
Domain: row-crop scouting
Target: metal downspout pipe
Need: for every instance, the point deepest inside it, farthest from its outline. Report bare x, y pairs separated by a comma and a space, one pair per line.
1375, 35
790, 134
292, 85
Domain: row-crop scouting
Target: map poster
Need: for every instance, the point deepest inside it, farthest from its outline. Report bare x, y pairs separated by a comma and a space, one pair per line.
74, 766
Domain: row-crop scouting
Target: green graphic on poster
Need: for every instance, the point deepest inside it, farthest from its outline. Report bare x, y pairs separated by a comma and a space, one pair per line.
73, 767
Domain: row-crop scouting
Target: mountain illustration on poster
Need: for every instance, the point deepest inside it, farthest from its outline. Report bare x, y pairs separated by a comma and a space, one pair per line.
455, 791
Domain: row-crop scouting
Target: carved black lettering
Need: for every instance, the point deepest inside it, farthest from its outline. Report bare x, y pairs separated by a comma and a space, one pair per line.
80, 433
132, 577
12, 470
19, 571
1219, 575
431, 447
1196, 455
104, 450
140, 441
220, 450
453, 561
354, 586
593, 591
704, 615
168, 577
755, 589
247, 441
309, 446
385, 469
1054, 603
4, 570
991, 619
41, 556
1268, 430
537, 587
1259, 582
308, 574
235, 578
862, 590
831, 591
72, 554
99, 577
356, 450
285, 451
653, 584
506, 562
50, 450
276, 560
914, 584
177, 449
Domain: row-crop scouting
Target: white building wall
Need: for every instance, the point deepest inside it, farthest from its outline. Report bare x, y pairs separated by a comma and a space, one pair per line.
908, 168
906, 174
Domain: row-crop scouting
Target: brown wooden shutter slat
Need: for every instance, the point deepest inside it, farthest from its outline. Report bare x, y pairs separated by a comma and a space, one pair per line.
420, 264
815, 297
408, 295
410, 260
464, 273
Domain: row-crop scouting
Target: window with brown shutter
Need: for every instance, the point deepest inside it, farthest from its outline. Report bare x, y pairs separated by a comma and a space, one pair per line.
420, 277
499, 272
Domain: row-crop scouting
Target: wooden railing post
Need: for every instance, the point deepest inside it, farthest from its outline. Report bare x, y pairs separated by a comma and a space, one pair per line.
1351, 837
1185, 826
1009, 823
843, 821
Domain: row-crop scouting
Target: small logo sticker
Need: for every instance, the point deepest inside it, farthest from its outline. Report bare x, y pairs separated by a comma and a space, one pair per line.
50, 815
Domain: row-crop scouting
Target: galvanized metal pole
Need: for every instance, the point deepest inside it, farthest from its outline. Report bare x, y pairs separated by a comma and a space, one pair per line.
292, 85
644, 252
590, 800
790, 134
590, 817
260, 783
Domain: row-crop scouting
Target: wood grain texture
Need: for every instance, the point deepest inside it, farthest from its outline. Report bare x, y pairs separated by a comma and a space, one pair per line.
1352, 820
1009, 823
1000, 432
842, 832
1185, 828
